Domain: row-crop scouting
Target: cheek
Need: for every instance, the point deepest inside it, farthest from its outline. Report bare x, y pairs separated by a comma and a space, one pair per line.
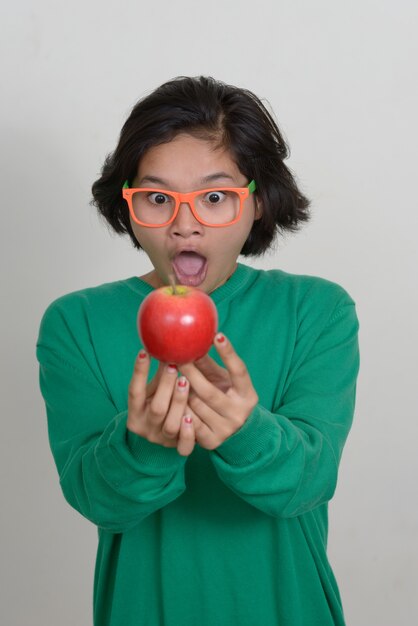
135, 229
246, 224
231, 242
144, 237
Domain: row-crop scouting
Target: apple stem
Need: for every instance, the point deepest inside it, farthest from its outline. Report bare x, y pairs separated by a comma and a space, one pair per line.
173, 283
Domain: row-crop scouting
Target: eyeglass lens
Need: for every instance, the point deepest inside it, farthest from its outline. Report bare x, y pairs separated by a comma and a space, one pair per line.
214, 207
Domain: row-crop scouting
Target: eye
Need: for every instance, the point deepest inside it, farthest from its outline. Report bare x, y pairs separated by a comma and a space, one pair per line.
215, 197
158, 198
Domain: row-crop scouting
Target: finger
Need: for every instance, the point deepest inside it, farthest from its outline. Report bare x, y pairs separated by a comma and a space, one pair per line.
138, 382
240, 378
209, 393
209, 367
153, 384
216, 374
212, 420
198, 425
186, 441
160, 401
204, 435
177, 409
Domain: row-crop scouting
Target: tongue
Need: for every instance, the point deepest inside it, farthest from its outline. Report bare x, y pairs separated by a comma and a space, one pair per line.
189, 263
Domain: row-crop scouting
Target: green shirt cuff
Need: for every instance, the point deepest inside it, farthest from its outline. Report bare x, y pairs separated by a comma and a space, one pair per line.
152, 454
258, 435
123, 455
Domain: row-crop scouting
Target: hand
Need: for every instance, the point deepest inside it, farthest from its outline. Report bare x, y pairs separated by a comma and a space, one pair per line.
158, 411
214, 373
221, 399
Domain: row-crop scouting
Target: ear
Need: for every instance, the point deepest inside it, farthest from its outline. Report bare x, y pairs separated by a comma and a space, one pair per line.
258, 209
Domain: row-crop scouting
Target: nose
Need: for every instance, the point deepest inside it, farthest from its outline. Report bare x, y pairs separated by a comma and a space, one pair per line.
185, 223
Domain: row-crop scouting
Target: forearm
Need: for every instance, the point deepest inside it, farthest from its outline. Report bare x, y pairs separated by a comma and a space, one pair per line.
119, 478
281, 466
285, 460
110, 475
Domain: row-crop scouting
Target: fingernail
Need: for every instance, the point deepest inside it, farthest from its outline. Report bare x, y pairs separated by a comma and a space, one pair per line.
172, 367
142, 354
182, 383
188, 420
220, 338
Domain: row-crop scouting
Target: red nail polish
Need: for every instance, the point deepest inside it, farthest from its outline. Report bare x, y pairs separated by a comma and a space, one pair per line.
182, 382
220, 338
188, 419
142, 354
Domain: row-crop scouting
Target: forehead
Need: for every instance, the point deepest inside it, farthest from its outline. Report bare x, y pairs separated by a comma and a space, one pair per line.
188, 157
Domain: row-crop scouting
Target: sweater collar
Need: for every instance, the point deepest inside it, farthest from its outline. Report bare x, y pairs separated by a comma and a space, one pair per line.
240, 277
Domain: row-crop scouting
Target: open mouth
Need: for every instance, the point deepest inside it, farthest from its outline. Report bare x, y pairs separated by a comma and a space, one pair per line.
190, 268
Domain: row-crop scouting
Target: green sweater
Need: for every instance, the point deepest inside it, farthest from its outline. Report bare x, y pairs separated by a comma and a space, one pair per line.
235, 536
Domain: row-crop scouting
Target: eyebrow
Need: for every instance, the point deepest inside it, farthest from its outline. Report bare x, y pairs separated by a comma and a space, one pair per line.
152, 180
216, 176
206, 179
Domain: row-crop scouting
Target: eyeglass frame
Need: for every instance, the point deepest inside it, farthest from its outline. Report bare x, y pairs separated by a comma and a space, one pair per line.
187, 198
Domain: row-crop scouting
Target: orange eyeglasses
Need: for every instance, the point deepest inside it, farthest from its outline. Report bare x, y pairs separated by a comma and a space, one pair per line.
217, 207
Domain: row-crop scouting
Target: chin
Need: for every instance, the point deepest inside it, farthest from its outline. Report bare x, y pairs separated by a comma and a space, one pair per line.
211, 286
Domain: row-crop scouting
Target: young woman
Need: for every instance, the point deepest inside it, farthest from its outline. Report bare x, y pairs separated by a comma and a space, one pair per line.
209, 485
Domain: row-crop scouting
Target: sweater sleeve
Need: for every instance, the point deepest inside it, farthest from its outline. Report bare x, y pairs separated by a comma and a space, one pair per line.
108, 474
285, 461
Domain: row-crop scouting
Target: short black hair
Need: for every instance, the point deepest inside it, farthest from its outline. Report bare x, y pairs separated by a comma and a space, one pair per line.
232, 117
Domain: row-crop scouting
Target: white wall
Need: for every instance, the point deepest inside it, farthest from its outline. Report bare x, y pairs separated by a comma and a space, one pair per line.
341, 78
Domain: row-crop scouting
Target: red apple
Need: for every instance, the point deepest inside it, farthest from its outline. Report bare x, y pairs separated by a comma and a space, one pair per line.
177, 324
